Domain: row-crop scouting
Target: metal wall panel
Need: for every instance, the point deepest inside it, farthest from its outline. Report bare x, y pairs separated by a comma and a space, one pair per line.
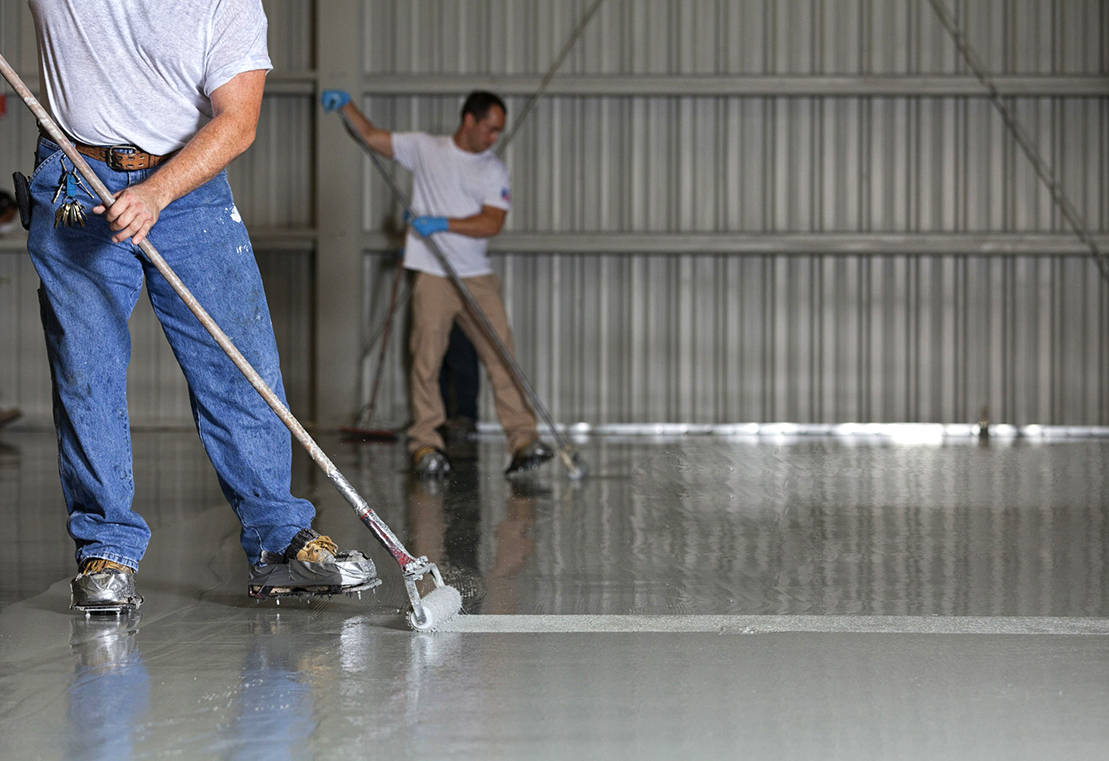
733, 36
789, 165
24, 375
806, 339
704, 337
813, 339
17, 35
291, 33
273, 181
718, 338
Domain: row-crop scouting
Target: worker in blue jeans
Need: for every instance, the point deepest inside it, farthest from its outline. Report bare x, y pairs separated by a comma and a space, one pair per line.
159, 110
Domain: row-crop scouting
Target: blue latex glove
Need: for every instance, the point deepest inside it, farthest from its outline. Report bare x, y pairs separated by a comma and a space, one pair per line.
427, 226
332, 100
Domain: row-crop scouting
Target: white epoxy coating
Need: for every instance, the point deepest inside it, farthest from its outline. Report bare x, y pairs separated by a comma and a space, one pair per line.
593, 624
809, 604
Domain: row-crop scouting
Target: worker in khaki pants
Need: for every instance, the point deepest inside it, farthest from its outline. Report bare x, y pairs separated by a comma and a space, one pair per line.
461, 196
439, 304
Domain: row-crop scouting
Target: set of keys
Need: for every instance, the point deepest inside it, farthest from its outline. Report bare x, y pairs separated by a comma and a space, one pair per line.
72, 211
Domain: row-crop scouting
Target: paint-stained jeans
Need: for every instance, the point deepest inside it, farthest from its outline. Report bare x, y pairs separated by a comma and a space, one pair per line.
89, 289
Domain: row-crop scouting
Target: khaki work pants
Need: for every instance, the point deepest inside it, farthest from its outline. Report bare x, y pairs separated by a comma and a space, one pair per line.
436, 304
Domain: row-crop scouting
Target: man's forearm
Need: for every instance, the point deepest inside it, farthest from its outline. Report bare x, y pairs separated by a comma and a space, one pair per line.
474, 227
481, 225
208, 152
379, 140
235, 108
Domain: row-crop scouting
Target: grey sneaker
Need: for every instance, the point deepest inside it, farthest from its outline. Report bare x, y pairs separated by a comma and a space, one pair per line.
429, 462
312, 565
529, 457
103, 586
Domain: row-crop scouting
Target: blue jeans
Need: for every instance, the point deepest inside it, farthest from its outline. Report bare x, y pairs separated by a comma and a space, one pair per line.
89, 288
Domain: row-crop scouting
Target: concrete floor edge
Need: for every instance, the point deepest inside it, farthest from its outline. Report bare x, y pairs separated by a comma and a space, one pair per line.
770, 624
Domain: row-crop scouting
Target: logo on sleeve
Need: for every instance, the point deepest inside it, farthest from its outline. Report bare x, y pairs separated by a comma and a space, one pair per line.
506, 195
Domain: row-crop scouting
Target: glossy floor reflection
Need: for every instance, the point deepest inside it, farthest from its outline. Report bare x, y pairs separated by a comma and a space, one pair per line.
678, 528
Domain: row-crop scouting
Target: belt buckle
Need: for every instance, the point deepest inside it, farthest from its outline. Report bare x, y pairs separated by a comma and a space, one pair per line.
114, 151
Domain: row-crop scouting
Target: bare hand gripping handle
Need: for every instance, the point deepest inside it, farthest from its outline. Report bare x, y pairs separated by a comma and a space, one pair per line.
414, 568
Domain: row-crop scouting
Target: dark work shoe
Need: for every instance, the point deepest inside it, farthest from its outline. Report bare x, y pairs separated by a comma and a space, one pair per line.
529, 457
312, 565
104, 586
429, 462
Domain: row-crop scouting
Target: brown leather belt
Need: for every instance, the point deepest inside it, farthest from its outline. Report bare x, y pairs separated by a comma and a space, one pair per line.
121, 158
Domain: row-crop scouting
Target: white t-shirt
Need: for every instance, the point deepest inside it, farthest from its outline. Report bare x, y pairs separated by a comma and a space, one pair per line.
449, 182
140, 72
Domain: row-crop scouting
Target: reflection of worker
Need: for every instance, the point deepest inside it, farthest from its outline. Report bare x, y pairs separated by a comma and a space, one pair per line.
276, 712
514, 545
110, 689
160, 109
448, 533
462, 197
296, 675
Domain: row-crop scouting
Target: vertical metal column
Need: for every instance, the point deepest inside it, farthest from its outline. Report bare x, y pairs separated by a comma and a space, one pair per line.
336, 385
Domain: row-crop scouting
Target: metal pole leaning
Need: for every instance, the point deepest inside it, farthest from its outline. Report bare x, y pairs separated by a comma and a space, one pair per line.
425, 614
575, 468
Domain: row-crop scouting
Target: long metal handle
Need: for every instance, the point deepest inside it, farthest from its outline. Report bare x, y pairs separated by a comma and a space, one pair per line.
368, 517
367, 412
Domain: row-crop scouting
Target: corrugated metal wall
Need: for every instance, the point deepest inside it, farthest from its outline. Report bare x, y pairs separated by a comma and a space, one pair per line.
622, 328
273, 189
732, 36
810, 337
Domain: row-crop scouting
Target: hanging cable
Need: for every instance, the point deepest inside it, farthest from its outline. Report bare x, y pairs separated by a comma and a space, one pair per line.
549, 76
1043, 171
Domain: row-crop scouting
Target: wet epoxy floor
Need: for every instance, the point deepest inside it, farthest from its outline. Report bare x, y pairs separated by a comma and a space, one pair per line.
678, 532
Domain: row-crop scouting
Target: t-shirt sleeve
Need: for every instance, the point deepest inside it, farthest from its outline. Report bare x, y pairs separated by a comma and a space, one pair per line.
497, 190
237, 43
406, 149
